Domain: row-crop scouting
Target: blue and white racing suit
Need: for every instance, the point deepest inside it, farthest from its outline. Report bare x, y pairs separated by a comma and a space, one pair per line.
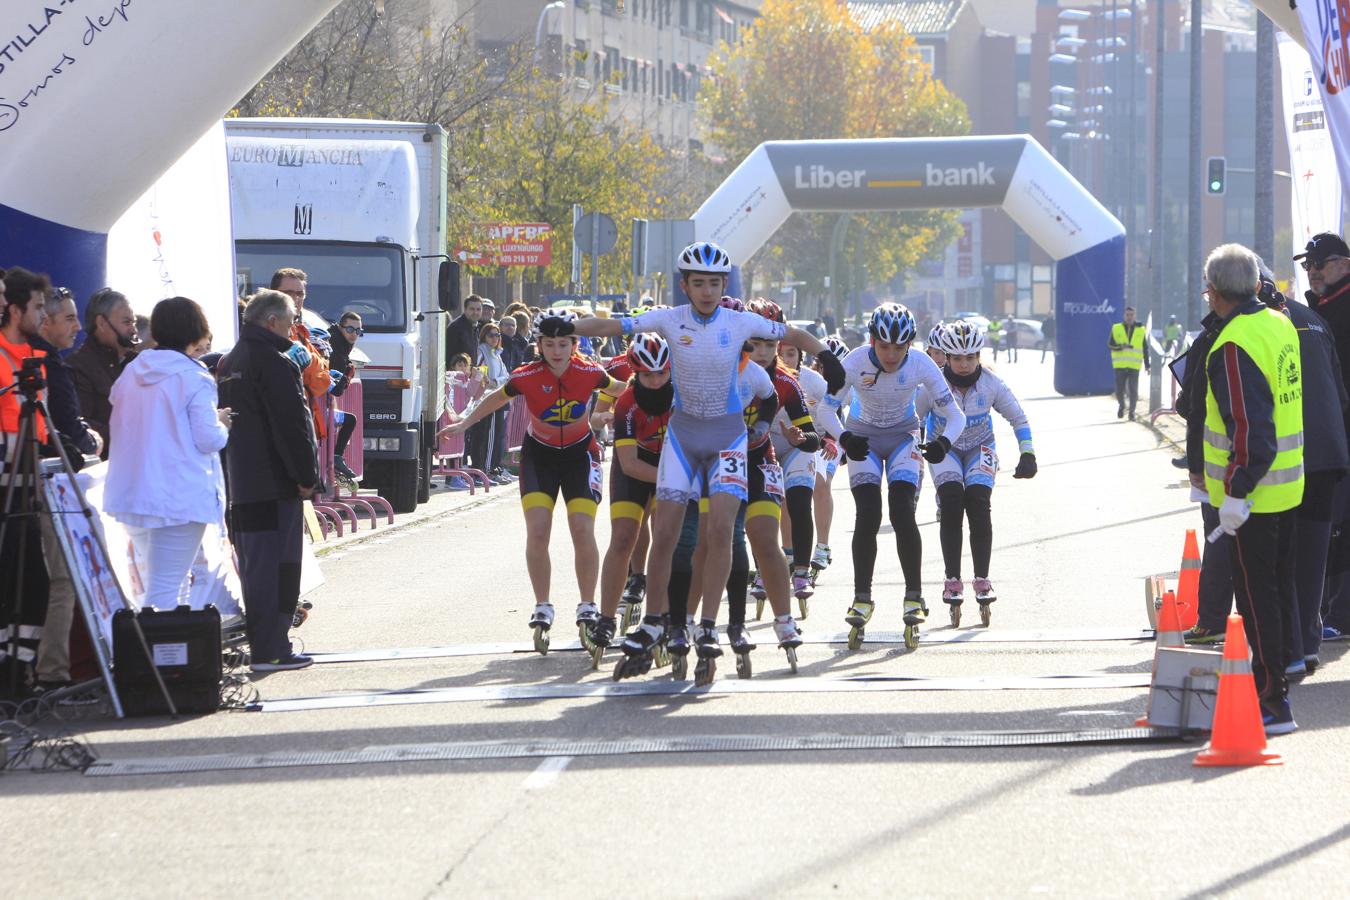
973, 459
705, 446
886, 415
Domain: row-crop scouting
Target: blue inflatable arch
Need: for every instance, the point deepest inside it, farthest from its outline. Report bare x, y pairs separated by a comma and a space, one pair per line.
1013, 172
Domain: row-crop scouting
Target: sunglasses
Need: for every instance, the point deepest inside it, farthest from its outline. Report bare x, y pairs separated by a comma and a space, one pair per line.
352, 329
494, 334
1309, 265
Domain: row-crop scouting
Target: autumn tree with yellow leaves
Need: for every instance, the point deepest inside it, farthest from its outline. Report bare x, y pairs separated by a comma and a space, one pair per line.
807, 71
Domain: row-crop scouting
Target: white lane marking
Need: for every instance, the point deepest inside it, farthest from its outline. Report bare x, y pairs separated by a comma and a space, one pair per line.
546, 773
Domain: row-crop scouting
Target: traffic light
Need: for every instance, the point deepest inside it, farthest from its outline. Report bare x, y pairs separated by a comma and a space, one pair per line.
1217, 181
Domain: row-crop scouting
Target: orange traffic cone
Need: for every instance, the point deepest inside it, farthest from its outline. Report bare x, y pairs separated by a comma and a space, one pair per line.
1188, 582
1169, 634
1239, 737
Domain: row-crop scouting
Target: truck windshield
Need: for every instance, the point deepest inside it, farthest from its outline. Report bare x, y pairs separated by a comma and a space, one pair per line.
361, 278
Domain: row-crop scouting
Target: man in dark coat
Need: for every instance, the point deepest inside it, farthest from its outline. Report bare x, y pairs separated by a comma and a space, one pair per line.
109, 341
461, 335
271, 467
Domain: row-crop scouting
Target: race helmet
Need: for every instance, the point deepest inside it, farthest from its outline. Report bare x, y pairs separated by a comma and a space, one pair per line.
704, 256
892, 323
766, 308
649, 353
733, 303
836, 347
962, 338
565, 315
935, 336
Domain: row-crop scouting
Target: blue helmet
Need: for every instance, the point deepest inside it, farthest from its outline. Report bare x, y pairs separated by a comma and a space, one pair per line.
892, 323
704, 256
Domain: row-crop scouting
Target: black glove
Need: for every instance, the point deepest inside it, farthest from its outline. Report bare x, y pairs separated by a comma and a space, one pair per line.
935, 451
555, 326
855, 445
810, 443
1026, 466
833, 370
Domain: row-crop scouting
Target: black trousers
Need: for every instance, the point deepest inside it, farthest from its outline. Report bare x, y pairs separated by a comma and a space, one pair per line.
268, 536
1216, 574
487, 440
1263, 583
1313, 544
1127, 383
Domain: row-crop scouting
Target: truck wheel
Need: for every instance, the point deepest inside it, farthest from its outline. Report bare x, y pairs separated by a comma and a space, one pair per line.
396, 480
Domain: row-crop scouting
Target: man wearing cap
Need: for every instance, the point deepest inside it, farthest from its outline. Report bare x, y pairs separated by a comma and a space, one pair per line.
1326, 259
1129, 351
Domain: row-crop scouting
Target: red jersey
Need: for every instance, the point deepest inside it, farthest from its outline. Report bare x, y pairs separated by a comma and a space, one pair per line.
619, 368
558, 404
634, 425
789, 397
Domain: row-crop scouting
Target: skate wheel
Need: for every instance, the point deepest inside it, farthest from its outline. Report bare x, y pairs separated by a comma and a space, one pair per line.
679, 668
803, 607
585, 634
912, 636
955, 610
541, 640
661, 657
597, 654
705, 671
855, 638
985, 614
759, 609
791, 658
743, 669
619, 669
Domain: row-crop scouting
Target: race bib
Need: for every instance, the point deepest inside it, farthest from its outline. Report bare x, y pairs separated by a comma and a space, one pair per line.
597, 479
773, 479
988, 460
731, 468
914, 452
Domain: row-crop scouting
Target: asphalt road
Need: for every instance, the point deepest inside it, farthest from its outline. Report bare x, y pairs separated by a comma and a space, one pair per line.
1071, 550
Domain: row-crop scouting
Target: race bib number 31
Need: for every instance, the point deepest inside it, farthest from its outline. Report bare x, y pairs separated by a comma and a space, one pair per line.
773, 479
731, 468
988, 460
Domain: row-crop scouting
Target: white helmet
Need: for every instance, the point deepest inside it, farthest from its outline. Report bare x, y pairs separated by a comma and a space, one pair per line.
565, 315
704, 256
962, 338
892, 323
836, 347
935, 336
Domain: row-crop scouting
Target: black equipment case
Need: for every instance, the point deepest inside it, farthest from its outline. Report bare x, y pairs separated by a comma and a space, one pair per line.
186, 646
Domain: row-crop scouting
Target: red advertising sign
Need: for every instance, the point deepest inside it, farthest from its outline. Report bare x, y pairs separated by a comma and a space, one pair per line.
528, 244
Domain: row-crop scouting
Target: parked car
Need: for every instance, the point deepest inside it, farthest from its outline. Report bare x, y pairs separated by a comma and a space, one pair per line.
1029, 333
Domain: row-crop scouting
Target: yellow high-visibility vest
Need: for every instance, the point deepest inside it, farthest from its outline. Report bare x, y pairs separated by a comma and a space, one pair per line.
1131, 354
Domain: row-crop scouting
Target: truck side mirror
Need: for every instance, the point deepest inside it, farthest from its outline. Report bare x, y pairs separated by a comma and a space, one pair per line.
447, 287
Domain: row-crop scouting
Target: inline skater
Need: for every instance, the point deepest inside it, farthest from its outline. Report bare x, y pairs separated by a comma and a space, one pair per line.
557, 454
640, 417
705, 446
797, 445
933, 346
965, 478
881, 441
826, 466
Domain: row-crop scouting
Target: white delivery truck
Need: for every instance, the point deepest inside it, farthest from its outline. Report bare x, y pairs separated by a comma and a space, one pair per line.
360, 206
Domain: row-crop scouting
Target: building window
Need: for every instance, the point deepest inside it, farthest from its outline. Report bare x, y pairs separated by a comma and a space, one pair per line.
613, 67
579, 59
926, 55
684, 13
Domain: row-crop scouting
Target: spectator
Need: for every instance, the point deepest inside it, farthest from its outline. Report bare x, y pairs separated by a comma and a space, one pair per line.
1325, 462
344, 337
818, 328
489, 312
60, 327
995, 335
273, 467
1172, 336
462, 365
145, 340
165, 482
305, 351
487, 438
461, 335
1326, 259
109, 342
515, 348
831, 325
1048, 331
1010, 329
22, 294
1254, 462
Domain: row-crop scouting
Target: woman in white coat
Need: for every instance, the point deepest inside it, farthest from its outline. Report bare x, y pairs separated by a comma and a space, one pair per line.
165, 482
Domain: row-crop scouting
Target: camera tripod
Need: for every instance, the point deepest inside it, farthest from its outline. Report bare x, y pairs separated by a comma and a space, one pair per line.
24, 505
